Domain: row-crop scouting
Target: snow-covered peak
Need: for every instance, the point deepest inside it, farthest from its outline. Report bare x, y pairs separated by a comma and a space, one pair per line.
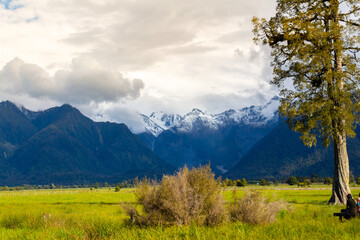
271, 108
197, 119
157, 122
195, 111
151, 126
165, 120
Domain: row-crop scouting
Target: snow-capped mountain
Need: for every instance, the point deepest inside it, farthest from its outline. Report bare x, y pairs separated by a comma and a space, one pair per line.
158, 122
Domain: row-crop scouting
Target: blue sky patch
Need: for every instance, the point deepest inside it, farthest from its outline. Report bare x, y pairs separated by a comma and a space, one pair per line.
32, 19
10, 4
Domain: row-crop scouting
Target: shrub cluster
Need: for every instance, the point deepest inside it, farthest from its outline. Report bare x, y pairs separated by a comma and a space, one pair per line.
189, 196
255, 208
264, 182
194, 196
328, 180
238, 183
292, 181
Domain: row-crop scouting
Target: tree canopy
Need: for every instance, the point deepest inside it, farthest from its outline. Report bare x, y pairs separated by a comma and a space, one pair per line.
314, 48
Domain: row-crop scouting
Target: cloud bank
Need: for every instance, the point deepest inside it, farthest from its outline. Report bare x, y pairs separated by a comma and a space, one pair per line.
85, 81
127, 56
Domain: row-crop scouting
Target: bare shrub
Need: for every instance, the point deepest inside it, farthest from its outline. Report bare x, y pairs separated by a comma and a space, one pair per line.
254, 208
188, 196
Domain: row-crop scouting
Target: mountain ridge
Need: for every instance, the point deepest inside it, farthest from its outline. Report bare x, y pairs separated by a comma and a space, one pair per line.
157, 122
198, 138
65, 147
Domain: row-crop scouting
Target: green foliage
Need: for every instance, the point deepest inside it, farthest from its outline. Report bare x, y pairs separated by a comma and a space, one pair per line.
229, 183
358, 180
314, 45
307, 182
292, 181
351, 177
328, 180
244, 182
264, 182
276, 182
315, 178
6, 188
240, 183
117, 189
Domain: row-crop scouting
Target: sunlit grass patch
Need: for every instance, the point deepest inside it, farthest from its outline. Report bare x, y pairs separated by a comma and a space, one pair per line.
97, 214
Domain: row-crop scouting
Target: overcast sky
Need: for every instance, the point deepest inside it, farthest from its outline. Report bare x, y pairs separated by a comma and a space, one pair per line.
119, 57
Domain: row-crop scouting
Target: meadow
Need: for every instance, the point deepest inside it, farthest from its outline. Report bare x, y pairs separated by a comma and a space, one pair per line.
98, 214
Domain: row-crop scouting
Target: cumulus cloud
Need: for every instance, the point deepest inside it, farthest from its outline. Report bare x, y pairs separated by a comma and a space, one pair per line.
85, 81
190, 54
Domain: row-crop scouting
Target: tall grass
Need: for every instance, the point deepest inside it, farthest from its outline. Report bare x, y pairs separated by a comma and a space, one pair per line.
86, 214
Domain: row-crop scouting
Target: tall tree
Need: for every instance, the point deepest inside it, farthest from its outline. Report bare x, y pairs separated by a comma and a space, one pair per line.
315, 45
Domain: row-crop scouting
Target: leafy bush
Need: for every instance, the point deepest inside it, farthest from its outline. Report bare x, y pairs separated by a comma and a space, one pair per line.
240, 183
255, 208
228, 182
292, 180
328, 181
358, 180
244, 182
189, 196
264, 182
305, 183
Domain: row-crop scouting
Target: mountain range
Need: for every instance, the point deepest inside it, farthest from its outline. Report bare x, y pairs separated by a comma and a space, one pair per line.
252, 142
199, 138
62, 146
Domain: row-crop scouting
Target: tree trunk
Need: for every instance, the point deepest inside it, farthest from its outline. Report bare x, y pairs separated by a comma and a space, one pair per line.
341, 172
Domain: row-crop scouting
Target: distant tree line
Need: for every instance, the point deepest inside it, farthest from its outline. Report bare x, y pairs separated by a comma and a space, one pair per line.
124, 184
301, 181
237, 182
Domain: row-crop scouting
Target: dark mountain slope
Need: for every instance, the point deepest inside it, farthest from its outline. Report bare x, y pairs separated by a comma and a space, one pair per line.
148, 139
69, 148
281, 154
15, 128
221, 147
132, 157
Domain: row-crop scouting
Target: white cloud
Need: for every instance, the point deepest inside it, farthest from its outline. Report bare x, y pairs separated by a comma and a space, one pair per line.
89, 51
120, 113
85, 81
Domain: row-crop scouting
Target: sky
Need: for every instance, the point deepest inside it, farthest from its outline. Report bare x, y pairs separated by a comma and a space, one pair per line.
119, 58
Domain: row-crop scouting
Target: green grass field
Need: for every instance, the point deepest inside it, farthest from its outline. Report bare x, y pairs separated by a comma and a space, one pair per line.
97, 214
